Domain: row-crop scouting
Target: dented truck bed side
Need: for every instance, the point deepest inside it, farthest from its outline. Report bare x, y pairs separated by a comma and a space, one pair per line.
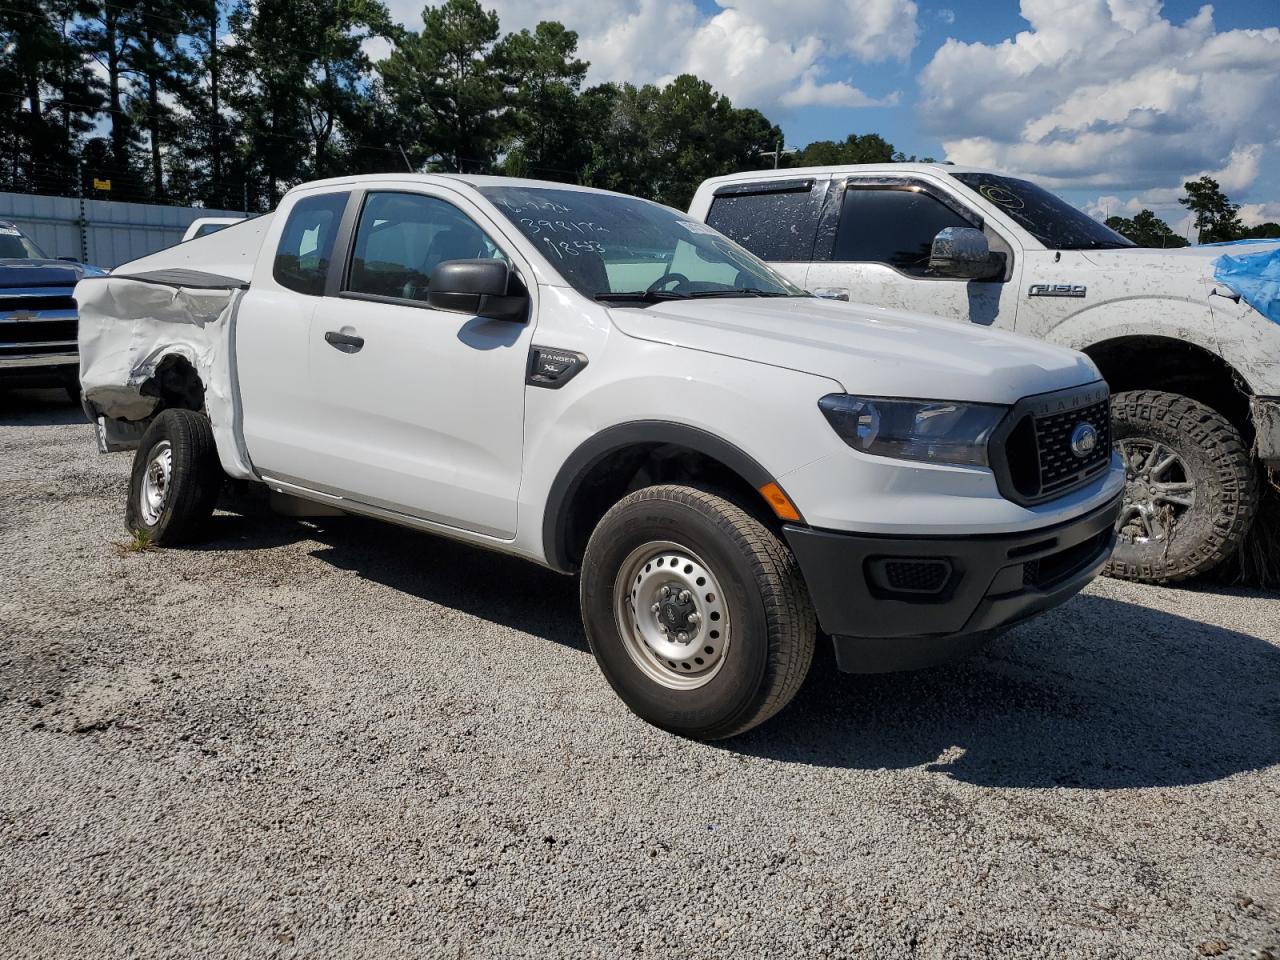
159, 339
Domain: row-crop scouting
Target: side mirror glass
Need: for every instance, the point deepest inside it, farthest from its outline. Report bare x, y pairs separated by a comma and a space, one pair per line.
483, 288
963, 252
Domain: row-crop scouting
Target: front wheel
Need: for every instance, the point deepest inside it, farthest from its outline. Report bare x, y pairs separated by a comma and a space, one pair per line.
696, 612
1190, 492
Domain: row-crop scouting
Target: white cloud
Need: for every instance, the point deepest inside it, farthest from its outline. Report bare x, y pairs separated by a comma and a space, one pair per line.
1252, 214
1110, 94
760, 53
947, 16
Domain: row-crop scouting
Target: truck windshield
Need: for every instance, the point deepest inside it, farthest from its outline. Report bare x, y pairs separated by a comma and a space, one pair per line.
1050, 219
611, 247
15, 246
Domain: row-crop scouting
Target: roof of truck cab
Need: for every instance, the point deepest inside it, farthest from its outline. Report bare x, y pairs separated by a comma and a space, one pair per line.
885, 168
446, 179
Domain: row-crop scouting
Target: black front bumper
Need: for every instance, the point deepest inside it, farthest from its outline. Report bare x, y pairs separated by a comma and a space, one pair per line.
900, 603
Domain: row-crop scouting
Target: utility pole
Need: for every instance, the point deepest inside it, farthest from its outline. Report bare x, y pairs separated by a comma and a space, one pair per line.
777, 153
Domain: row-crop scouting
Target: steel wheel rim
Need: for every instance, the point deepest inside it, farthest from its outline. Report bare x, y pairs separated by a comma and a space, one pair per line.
651, 621
1158, 491
156, 482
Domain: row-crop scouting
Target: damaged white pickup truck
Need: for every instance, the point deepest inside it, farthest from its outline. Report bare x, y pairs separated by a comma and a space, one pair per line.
605, 386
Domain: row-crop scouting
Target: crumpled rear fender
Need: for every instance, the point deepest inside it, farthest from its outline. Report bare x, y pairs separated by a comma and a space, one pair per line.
142, 344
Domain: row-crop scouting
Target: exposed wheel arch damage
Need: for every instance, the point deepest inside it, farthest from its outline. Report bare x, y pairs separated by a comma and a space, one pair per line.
148, 345
625, 457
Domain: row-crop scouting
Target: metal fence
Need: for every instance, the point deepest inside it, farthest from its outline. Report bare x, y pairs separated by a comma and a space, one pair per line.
105, 233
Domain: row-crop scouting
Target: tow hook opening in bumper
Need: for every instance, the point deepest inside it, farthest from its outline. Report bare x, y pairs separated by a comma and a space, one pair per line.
901, 603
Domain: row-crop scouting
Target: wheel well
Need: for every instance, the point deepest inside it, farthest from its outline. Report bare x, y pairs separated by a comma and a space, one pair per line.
623, 470
1161, 363
176, 383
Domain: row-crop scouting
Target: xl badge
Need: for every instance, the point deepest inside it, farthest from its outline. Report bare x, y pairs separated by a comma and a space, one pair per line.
1084, 440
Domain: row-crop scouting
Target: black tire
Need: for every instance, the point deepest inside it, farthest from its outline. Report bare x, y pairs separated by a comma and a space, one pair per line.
1214, 462
768, 645
191, 489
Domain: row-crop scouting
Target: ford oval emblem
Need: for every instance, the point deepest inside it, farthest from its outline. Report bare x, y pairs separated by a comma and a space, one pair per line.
1084, 439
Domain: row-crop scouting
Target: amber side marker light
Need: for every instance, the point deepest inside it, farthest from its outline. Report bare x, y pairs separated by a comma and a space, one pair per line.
778, 500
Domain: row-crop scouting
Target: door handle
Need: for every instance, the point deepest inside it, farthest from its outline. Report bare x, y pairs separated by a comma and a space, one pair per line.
344, 341
831, 293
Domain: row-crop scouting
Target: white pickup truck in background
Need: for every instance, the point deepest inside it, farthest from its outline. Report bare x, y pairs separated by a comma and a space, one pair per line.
605, 386
1194, 369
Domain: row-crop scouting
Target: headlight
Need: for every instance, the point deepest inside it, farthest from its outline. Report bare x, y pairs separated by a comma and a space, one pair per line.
939, 431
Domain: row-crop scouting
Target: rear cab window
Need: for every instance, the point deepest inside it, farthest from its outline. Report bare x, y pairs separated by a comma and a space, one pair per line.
777, 220
306, 243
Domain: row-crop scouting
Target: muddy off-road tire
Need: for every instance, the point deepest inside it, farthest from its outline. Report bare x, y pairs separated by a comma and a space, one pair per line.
175, 481
1191, 492
696, 612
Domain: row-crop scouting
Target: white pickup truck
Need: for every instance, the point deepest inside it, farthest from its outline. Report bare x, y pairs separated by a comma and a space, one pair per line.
605, 386
1195, 369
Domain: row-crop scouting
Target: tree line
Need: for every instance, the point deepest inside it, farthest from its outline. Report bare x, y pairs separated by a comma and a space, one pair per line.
228, 103
1217, 220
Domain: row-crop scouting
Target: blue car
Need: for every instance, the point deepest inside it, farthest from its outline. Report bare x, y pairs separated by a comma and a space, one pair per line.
38, 313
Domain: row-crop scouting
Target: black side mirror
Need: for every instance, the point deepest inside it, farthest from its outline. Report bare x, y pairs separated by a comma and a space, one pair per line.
483, 288
963, 253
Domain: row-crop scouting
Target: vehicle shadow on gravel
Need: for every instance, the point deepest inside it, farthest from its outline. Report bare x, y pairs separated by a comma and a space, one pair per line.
494, 587
34, 407
1100, 694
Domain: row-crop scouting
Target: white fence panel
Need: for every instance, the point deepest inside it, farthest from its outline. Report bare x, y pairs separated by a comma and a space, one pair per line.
110, 232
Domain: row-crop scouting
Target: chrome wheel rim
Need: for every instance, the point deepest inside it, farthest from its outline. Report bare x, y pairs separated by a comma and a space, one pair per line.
1158, 490
671, 613
156, 481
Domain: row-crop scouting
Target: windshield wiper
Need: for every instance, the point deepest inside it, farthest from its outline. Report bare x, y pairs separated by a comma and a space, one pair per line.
641, 296
746, 292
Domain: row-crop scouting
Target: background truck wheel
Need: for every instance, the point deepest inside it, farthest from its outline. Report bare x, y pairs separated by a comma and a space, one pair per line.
696, 612
175, 480
1191, 491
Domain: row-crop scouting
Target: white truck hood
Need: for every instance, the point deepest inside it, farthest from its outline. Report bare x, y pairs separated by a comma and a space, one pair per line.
868, 350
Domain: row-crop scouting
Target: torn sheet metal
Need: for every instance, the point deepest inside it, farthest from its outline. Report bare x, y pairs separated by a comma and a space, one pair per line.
1255, 277
131, 327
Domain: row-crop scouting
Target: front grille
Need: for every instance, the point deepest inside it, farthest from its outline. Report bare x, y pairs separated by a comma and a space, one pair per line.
37, 336
1033, 456
51, 301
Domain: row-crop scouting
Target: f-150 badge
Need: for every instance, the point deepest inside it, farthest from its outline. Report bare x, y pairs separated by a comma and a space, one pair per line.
1056, 290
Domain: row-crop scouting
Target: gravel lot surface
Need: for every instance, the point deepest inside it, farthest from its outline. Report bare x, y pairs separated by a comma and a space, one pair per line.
339, 739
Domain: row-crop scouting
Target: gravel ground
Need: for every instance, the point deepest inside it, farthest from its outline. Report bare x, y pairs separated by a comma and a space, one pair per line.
339, 739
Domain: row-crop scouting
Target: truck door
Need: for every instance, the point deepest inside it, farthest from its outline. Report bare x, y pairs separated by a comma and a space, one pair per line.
414, 409
874, 244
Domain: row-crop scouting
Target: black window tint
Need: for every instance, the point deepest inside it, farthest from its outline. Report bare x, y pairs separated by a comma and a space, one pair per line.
896, 227
302, 259
773, 225
403, 237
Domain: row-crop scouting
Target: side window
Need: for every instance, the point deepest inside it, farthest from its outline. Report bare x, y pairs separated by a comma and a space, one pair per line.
894, 226
403, 237
302, 259
775, 221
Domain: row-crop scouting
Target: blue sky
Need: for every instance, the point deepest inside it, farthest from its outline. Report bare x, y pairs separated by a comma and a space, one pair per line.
1112, 103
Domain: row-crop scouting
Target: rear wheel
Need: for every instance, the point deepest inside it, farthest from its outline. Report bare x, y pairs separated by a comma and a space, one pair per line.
1190, 492
175, 480
696, 612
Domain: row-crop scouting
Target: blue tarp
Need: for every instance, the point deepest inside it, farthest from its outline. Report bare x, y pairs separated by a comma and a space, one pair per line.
1255, 276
